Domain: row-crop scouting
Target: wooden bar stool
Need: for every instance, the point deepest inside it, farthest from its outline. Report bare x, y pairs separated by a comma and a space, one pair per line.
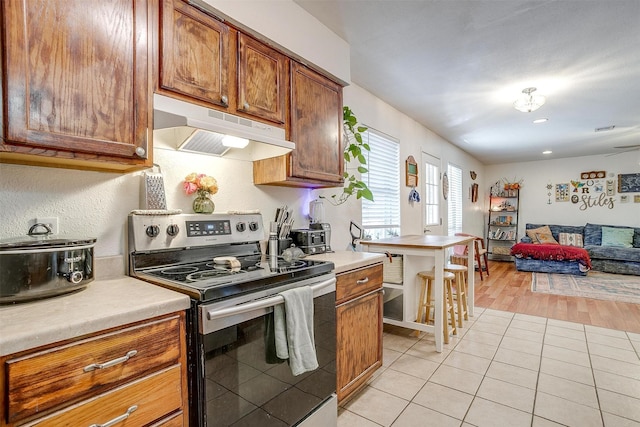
426, 301
460, 271
460, 253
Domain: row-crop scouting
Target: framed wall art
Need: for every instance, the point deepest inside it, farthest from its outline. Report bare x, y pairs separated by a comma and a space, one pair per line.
474, 193
629, 183
411, 172
562, 192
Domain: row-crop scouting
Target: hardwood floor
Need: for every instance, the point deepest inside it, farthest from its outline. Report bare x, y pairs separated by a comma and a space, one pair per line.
507, 289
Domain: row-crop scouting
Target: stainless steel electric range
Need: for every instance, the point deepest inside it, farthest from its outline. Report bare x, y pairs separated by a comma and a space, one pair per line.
235, 378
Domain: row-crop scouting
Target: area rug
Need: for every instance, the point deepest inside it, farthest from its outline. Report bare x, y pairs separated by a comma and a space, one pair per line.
605, 286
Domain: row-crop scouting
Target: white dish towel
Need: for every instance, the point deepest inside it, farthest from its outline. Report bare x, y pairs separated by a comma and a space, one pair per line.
293, 327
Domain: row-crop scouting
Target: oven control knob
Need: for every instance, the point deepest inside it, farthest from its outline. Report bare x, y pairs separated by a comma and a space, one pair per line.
74, 277
153, 231
173, 230
240, 226
253, 226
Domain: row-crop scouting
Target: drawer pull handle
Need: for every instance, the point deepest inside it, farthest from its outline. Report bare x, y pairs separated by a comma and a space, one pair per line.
117, 419
362, 281
111, 363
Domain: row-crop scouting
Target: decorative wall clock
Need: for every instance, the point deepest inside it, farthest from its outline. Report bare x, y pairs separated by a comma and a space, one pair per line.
445, 186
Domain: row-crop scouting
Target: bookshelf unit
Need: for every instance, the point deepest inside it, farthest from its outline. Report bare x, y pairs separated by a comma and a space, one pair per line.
502, 227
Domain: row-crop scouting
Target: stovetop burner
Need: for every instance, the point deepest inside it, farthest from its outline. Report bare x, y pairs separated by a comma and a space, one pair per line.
209, 281
185, 261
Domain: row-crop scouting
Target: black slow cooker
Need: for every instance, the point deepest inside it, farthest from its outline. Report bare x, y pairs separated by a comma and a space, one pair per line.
42, 265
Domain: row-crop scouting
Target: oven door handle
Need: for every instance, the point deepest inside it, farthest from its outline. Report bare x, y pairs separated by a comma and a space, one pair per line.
262, 303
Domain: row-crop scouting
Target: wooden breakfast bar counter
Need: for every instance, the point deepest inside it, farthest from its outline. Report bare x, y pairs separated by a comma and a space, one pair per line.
419, 253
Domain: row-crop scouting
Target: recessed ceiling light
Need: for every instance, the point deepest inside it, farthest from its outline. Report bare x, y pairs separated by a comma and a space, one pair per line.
547, 152
541, 120
605, 128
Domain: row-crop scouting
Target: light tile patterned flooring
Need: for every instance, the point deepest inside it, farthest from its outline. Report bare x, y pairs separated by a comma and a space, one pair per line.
504, 369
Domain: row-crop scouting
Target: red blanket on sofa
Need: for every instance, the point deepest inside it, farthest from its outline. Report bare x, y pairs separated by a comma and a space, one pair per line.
551, 253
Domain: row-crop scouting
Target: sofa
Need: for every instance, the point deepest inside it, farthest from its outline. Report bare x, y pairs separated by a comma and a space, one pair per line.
577, 249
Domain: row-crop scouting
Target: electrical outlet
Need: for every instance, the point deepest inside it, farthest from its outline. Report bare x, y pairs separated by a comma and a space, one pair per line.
51, 222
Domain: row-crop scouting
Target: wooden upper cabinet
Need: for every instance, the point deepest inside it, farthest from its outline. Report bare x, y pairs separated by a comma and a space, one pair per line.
194, 54
316, 126
262, 80
76, 82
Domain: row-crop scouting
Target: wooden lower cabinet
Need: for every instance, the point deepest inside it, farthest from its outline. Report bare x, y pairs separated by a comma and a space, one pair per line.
136, 373
359, 328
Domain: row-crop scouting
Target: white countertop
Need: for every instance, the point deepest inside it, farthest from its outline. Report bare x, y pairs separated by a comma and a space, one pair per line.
421, 241
103, 304
110, 302
349, 260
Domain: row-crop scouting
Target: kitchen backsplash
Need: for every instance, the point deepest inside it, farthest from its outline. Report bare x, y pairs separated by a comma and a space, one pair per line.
96, 204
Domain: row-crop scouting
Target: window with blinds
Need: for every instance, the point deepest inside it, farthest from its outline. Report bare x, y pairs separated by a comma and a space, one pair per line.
381, 218
454, 203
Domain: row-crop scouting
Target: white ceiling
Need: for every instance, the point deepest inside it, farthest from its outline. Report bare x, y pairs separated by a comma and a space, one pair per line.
456, 66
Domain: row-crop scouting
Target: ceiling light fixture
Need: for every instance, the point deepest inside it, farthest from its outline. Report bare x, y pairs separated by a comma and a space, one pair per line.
547, 152
542, 120
527, 102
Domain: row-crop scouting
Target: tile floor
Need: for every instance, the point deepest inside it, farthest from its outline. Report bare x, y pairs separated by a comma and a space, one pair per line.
504, 369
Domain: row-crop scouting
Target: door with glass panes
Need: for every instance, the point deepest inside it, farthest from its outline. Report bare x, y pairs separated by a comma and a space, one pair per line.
431, 195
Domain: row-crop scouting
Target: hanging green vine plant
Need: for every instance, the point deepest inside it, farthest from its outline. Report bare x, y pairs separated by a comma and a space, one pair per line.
353, 152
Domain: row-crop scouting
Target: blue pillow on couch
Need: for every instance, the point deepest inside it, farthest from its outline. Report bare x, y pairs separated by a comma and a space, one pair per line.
593, 234
621, 237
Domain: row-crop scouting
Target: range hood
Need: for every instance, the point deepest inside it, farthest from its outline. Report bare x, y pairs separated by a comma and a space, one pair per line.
189, 127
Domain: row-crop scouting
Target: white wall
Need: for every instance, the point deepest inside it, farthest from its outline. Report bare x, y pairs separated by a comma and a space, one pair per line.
293, 29
96, 204
534, 207
413, 138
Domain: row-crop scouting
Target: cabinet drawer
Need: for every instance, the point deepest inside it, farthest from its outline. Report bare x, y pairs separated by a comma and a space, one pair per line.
358, 282
146, 400
173, 420
40, 381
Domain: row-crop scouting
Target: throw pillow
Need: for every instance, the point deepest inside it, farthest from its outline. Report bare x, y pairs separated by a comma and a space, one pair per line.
571, 239
546, 239
617, 237
542, 230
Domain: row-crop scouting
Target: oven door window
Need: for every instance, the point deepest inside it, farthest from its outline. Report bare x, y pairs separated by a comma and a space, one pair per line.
247, 385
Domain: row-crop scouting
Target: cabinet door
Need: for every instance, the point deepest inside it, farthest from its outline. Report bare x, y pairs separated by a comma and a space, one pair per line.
316, 126
76, 78
262, 80
194, 54
359, 338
